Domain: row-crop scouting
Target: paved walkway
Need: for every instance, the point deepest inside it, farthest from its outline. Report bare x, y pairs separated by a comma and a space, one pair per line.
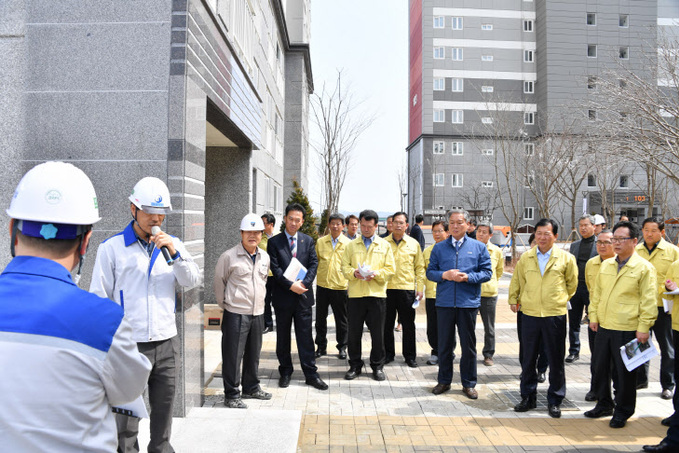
402, 415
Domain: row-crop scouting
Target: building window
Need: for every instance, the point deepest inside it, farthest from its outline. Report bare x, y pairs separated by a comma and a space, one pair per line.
439, 147
529, 148
529, 118
591, 19
486, 27
458, 117
439, 179
457, 23
487, 120
591, 50
528, 56
624, 181
623, 54
487, 184
591, 180
530, 180
623, 21
591, 115
439, 53
486, 89
528, 86
486, 58
439, 115
457, 85
439, 84
488, 151
439, 22
528, 25
528, 213
591, 82
456, 53
457, 149
457, 179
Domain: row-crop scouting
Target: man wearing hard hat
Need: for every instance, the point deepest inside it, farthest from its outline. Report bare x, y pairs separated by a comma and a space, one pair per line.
66, 356
138, 269
240, 289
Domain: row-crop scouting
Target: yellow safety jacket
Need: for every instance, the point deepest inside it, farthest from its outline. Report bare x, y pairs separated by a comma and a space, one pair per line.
329, 274
262, 245
409, 274
489, 288
429, 286
378, 256
672, 274
662, 258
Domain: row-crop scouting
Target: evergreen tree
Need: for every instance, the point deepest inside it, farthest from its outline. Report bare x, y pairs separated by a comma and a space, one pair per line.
298, 196
324, 222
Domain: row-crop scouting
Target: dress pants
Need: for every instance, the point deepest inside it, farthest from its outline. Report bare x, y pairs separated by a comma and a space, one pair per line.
578, 303
164, 357
401, 301
241, 343
542, 356
550, 331
302, 317
268, 316
464, 319
432, 326
607, 347
487, 310
673, 430
371, 311
662, 331
337, 299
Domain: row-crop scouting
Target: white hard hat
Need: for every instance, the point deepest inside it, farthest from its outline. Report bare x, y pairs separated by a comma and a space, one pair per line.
251, 222
54, 193
599, 219
151, 196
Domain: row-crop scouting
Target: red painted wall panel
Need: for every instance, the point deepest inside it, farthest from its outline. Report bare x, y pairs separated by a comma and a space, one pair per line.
415, 110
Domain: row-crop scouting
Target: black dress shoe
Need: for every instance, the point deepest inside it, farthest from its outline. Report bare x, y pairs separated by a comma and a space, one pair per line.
617, 422
662, 447
353, 373
342, 354
267, 329
526, 404
665, 421
598, 412
440, 388
379, 375
554, 411
284, 381
411, 363
317, 382
572, 358
591, 396
541, 378
321, 352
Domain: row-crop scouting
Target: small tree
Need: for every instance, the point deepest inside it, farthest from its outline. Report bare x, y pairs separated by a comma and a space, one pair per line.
298, 196
324, 222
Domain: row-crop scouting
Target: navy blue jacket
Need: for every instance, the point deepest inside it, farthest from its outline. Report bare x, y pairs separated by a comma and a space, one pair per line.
473, 259
278, 249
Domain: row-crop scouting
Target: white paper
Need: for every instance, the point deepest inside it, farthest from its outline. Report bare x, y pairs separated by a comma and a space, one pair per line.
633, 354
668, 304
416, 303
365, 271
670, 293
295, 271
136, 408
570, 307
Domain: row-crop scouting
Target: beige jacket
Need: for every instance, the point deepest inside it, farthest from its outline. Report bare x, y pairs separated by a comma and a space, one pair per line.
240, 284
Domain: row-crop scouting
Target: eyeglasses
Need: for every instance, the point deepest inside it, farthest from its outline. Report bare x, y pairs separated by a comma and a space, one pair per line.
616, 240
604, 243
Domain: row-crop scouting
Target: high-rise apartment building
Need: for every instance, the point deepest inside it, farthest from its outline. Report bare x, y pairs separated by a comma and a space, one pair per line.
493, 75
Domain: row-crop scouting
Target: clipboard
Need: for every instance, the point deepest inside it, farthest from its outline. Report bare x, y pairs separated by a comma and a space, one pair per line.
295, 271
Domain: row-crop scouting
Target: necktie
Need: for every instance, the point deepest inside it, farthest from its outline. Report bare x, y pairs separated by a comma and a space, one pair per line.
293, 247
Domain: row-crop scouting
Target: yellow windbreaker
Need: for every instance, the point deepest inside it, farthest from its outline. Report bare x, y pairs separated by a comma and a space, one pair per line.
409, 264
591, 271
489, 288
662, 258
263, 243
544, 295
429, 286
625, 300
381, 260
329, 274
672, 274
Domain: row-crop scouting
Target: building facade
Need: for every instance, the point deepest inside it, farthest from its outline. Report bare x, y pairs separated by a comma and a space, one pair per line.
208, 95
492, 86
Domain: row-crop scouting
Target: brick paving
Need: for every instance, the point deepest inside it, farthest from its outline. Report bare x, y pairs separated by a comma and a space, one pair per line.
402, 415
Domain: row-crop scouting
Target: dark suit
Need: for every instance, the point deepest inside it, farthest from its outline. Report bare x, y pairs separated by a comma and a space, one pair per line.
579, 301
417, 234
291, 307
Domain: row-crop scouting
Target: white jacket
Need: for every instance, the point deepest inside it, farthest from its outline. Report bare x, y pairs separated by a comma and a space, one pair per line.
143, 285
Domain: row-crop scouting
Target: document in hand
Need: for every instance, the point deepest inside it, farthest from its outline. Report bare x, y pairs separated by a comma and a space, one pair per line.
295, 271
635, 353
136, 408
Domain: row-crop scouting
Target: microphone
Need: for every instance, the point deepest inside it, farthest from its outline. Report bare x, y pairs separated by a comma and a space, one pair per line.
166, 253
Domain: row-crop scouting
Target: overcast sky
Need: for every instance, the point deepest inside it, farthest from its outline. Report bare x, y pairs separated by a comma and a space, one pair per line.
368, 40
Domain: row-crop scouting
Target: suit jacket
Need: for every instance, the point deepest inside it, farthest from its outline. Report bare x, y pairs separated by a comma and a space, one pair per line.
575, 249
278, 249
416, 233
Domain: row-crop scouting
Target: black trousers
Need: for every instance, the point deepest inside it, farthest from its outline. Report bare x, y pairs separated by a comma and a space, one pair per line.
578, 303
464, 320
301, 316
371, 311
241, 344
550, 331
542, 356
607, 348
432, 326
401, 301
337, 299
268, 316
673, 430
662, 331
